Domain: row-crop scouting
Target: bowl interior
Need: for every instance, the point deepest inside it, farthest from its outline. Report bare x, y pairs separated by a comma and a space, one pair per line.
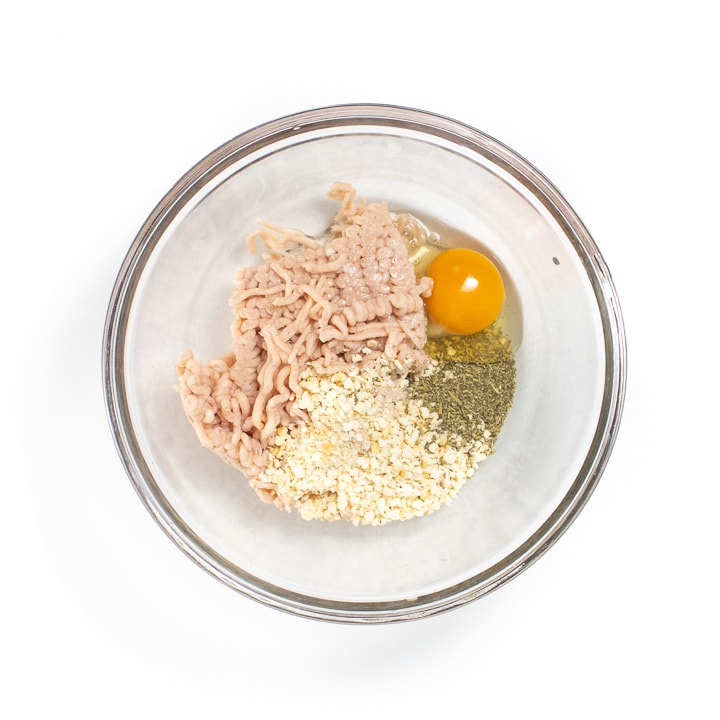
175, 296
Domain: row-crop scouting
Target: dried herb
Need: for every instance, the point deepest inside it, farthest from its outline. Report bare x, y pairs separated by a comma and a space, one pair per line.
488, 346
471, 385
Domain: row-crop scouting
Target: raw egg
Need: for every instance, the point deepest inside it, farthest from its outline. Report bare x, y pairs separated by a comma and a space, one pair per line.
468, 291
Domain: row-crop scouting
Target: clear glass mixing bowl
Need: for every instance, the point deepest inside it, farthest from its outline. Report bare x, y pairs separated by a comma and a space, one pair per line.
562, 315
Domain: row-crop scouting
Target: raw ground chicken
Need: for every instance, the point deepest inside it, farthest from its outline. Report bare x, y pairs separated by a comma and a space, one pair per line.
324, 331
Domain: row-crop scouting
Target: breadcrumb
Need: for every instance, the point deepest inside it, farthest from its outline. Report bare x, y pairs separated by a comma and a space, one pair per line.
369, 453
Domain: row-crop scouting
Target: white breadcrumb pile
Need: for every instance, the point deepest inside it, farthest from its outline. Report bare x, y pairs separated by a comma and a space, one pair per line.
369, 453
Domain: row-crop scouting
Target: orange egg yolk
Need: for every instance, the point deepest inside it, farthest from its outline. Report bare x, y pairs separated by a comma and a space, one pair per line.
468, 291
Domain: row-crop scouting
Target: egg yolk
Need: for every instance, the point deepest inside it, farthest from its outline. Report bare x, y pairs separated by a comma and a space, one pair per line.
468, 291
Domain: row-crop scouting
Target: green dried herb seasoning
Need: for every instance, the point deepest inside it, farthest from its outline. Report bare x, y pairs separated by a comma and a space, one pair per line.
488, 346
471, 384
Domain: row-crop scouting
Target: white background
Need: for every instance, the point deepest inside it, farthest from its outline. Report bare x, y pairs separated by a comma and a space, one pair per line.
105, 107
